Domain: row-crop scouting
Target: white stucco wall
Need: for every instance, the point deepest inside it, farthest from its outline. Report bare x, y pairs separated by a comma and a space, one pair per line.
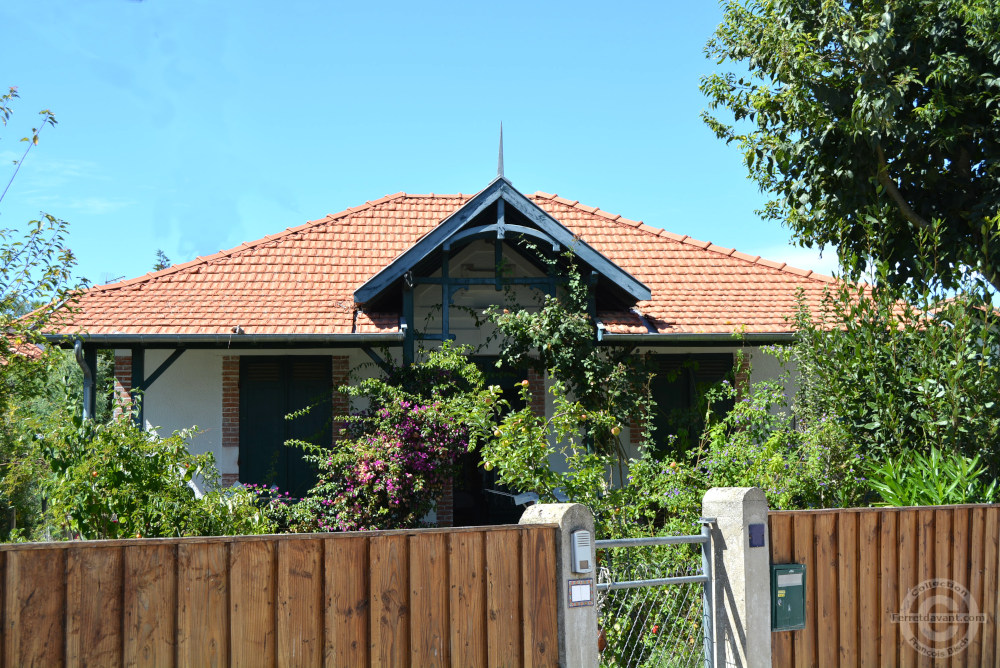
189, 393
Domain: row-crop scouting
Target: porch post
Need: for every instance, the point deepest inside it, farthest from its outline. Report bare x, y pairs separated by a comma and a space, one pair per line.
741, 576
138, 384
577, 606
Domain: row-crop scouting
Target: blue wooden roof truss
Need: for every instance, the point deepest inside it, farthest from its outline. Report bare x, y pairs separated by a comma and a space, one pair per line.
468, 224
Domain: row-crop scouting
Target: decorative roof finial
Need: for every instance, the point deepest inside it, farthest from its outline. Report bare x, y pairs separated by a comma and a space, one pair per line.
500, 159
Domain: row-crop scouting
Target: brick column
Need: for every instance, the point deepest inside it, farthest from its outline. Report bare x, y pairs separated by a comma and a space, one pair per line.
122, 384
341, 402
741, 375
536, 385
231, 401
230, 410
444, 507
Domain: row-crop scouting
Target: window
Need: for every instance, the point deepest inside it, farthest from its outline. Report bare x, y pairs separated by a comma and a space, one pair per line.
270, 389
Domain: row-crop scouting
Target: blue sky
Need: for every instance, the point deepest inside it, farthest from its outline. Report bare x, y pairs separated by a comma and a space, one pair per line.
194, 126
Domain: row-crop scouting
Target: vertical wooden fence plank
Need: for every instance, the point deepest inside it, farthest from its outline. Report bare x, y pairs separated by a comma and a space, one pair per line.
430, 638
780, 530
539, 590
908, 575
847, 587
347, 601
869, 608
390, 605
503, 600
251, 603
960, 532
977, 559
889, 589
828, 631
150, 605
36, 607
4, 630
94, 606
804, 644
202, 604
942, 571
990, 582
467, 566
300, 603
927, 549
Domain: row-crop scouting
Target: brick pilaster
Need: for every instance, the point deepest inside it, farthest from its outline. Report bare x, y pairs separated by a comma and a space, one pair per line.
231, 401
444, 508
341, 402
741, 375
122, 383
536, 385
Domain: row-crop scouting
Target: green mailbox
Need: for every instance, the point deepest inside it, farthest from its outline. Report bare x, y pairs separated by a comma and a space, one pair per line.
788, 597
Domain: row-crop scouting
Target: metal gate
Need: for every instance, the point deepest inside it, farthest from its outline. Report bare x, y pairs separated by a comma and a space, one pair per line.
655, 607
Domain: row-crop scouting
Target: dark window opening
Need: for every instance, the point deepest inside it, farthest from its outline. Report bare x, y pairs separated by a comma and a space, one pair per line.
679, 392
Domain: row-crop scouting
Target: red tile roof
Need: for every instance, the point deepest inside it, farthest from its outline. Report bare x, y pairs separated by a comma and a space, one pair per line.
301, 281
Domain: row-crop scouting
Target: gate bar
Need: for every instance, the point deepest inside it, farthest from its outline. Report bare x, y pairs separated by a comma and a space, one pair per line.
650, 540
634, 584
708, 624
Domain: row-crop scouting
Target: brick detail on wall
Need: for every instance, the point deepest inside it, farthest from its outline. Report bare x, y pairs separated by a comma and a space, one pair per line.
230, 479
231, 401
536, 385
122, 383
445, 506
341, 402
741, 375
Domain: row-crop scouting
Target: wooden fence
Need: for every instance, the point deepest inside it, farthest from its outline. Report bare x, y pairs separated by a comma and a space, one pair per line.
468, 597
861, 565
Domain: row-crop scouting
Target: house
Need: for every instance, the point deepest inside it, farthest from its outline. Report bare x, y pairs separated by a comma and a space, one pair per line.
234, 341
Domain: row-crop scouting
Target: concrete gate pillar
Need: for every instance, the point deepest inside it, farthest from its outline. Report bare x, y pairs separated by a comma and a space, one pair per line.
741, 586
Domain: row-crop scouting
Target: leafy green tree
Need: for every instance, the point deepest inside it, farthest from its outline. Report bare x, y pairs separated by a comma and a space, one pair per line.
559, 338
35, 283
875, 125
916, 374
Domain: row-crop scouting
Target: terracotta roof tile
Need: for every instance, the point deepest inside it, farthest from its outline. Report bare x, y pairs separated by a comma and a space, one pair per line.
302, 280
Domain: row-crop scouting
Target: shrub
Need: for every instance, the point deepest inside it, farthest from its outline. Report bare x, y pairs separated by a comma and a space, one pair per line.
935, 479
113, 480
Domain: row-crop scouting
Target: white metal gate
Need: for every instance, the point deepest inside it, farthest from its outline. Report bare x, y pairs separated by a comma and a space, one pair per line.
655, 607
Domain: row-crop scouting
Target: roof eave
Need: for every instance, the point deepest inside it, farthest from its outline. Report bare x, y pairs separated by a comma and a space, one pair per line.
128, 340
694, 338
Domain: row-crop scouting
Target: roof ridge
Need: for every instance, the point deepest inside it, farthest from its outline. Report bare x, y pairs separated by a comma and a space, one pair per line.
248, 245
687, 239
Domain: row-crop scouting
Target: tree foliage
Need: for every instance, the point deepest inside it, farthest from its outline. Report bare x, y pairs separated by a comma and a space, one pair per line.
905, 375
876, 126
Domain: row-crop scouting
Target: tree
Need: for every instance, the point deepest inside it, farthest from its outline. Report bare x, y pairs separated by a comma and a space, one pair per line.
162, 261
919, 374
35, 285
876, 126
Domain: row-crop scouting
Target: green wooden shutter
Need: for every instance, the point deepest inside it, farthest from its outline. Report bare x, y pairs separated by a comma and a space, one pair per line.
270, 389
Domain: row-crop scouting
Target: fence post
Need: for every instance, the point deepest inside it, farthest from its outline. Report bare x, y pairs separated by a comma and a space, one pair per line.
741, 576
577, 623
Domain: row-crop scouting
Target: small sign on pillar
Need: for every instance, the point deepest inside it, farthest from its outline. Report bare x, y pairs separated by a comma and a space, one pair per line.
756, 535
581, 592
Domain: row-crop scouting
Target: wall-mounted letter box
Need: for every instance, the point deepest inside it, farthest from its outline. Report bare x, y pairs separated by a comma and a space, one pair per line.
788, 597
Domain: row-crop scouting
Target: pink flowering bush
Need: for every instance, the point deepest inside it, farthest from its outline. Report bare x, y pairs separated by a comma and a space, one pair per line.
389, 477
398, 456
